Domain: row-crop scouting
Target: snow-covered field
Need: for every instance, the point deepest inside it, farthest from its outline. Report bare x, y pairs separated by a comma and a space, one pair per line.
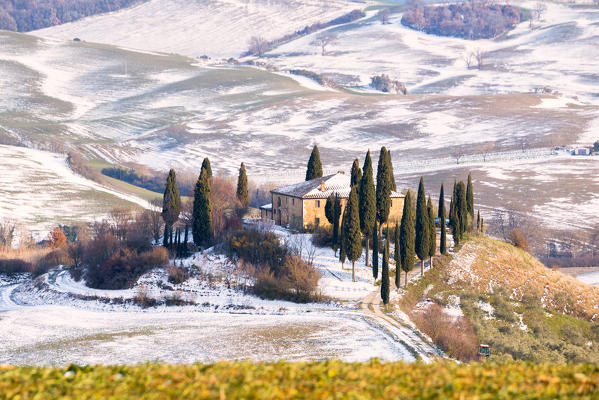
55, 320
39, 191
217, 28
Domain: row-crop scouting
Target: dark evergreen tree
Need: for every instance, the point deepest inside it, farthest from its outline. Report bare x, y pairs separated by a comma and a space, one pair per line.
201, 226
478, 221
422, 226
407, 237
342, 250
206, 166
432, 248
390, 169
171, 206
397, 255
443, 239
367, 202
336, 220
383, 188
470, 198
441, 209
352, 236
329, 209
375, 252
242, 187
461, 208
314, 169
356, 173
385, 271
185, 241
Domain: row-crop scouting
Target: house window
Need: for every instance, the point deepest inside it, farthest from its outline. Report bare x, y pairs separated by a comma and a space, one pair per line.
292, 201
317, 205
391, 203
279, 201
317, 221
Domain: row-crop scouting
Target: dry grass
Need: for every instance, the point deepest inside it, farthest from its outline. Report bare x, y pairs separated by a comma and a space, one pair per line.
488, 265
27, 254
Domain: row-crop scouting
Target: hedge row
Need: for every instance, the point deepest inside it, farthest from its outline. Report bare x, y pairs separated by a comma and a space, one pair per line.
317, 380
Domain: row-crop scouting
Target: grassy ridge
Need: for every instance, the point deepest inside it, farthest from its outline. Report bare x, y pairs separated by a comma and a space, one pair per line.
323, 380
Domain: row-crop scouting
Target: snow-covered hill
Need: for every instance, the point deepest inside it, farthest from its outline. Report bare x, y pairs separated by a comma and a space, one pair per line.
217, 28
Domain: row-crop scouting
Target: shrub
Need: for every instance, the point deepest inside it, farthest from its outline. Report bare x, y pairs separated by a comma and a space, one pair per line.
13, 266
53, 259
322, 237
269, 287
177, 275
256, 247
387, 85
301, 278
518, 239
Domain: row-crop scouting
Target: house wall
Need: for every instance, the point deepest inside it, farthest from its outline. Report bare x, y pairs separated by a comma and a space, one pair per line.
396, 210
287, 210
311, 212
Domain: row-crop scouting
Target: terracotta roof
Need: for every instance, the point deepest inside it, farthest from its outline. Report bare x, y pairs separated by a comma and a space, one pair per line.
338, 183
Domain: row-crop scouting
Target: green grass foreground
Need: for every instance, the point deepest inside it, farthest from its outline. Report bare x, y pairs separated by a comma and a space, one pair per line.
315, 380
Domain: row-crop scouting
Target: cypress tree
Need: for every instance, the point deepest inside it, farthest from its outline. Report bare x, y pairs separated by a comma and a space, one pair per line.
432, 249
461, 208
390, 169
422, 226
453, 220
342, 250
385, 272
397, 256
185, 240
352, 238
314, 169
478, 220
242, 187
206, 166
356, 173
406, 237
367, 201
375, 252
443, 243
441, 210
383, 188
470, 198
201, 226
336, 218
171, 206
329, 209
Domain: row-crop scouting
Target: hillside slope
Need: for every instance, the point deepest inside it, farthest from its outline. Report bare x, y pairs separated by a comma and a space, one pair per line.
493, 293
217, 28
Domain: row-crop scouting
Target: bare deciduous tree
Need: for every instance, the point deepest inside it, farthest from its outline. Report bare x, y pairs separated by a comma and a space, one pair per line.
485, 149
384, 15
468, 59
258, 45
479, 56
155, 218
457, 153
7, 233
324, 40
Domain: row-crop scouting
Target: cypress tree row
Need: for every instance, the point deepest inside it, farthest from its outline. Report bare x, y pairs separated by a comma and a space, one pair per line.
383, 188
367, 202
242, 187
397, 256
422, 227
206, 166
336, 219
432, 249
443, 239
390, 169
314, 169
356, 173
406, 237
171, 207
352, 237
201, 225
375, 252
385, 272
470, 199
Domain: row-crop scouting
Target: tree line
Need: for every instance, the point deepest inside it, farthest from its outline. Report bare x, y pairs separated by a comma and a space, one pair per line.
367, 211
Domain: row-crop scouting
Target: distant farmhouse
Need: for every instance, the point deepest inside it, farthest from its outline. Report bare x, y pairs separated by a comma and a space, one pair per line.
302, 205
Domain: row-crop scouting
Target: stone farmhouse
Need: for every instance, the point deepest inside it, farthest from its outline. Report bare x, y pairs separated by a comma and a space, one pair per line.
302, 205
